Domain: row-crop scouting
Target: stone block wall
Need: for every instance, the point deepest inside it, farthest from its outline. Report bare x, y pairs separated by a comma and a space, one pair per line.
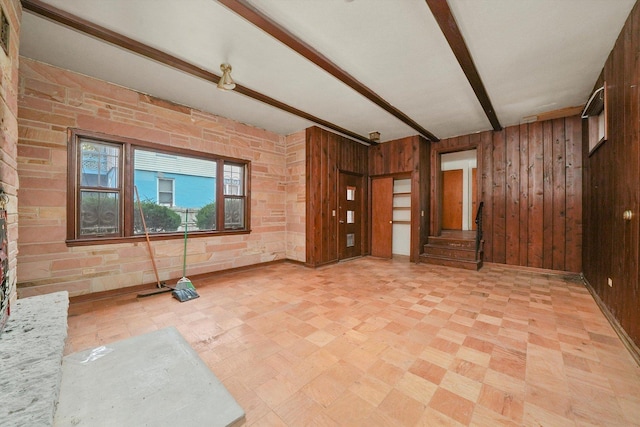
296, 196
51, 100
9, 132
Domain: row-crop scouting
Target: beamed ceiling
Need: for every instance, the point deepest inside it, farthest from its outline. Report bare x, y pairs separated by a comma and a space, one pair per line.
438, 68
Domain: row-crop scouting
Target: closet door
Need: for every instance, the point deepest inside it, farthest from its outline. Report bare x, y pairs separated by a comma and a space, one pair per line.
381, 217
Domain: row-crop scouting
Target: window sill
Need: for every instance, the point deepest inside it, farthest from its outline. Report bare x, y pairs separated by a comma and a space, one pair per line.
154, 237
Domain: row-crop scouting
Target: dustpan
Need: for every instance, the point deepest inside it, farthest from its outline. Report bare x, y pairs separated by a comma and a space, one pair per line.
184, 290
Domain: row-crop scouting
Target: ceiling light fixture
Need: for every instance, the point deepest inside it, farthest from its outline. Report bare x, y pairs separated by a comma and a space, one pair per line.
226, 82
374, 136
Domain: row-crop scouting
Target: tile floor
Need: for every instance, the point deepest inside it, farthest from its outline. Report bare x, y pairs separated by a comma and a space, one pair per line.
373, 342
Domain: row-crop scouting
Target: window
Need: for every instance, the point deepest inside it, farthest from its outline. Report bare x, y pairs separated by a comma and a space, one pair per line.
596, 112
165, 192
4, 32
100, 190
176, 189
234, 200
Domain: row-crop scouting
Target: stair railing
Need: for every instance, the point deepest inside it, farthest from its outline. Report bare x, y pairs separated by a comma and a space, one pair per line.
478, 222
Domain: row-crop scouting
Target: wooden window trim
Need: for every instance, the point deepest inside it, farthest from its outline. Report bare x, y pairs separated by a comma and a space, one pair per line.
128, 147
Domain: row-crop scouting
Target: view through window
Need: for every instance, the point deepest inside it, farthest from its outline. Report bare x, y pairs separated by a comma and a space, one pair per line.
176, 190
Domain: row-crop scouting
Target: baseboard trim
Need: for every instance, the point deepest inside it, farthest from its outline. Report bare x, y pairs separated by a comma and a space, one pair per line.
537, 270
624, 337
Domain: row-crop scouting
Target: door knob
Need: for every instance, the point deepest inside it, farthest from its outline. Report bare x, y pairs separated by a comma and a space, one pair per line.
341, 222
627, 215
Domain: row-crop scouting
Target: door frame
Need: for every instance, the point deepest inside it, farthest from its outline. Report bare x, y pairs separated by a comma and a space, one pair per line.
387, 227
415, 210
474, 142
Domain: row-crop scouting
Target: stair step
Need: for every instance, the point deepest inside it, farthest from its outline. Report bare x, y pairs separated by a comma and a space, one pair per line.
452, 242
450, 252
450, 262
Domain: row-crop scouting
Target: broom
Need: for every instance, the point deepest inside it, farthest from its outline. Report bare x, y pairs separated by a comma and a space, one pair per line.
161, 286
185, 290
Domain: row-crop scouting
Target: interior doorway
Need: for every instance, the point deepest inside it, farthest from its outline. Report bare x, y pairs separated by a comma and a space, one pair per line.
391, 216
458, 177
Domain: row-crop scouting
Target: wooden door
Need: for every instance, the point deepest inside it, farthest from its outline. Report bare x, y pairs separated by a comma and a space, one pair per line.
452, 199
381, 217
349, 216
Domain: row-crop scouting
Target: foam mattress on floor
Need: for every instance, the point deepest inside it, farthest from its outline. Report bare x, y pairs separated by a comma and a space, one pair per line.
155, 379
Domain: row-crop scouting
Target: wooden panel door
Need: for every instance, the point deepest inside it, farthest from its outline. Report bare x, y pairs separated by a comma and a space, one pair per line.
381, 217
452, 199
349, 216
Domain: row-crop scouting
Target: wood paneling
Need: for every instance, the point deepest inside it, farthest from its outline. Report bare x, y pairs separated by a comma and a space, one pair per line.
326, 155
530, 183
535, 165
422, 189
485, 166
523, 194
398, 156
512, 191
498, 200
611, 186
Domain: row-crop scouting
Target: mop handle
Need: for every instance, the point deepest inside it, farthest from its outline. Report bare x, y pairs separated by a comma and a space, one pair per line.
184, 258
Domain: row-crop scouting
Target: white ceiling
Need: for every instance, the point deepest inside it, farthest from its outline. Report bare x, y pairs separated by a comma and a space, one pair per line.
533, 56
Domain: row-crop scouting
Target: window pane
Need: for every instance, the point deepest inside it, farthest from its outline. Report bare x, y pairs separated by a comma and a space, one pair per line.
171, 184
99, 213
165, 185
233, 213
165, 192
351, 240
165, 198
351, 217
351, 193
99, 164
233, 180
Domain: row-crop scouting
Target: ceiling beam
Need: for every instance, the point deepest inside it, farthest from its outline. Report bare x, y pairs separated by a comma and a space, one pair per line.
261, 21
449, 27
86, 27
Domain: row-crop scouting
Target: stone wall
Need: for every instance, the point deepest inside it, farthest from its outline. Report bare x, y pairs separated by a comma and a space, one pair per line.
296, 196
51, 100
9, 132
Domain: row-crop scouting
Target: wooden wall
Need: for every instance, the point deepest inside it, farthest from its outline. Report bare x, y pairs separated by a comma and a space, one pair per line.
326, 155
530, 180
612, 185
408, 156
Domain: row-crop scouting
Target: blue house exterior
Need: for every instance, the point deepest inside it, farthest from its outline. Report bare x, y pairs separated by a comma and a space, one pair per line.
189, 191
178, 182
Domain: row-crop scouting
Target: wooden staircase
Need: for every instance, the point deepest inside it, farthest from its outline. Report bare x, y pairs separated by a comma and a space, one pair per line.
453, 249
